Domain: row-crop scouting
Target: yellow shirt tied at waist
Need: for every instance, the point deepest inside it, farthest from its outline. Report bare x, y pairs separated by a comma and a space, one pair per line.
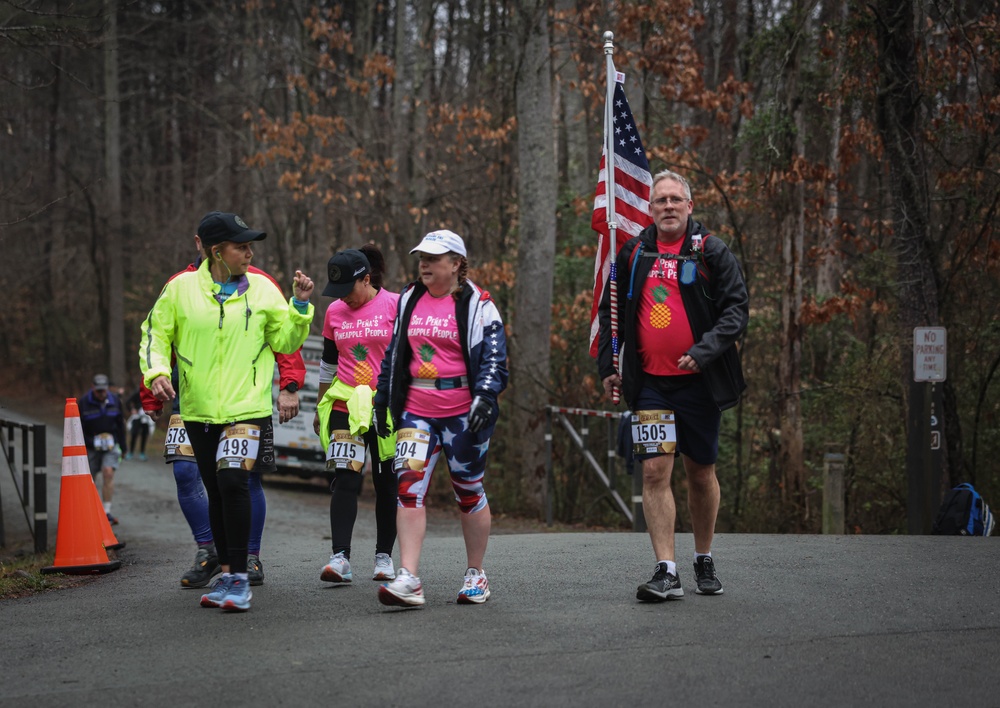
359, 415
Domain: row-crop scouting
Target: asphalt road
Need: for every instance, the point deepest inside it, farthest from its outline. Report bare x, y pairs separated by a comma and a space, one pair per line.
805, 620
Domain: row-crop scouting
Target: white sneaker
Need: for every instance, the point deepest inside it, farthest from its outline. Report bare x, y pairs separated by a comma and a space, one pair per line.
476, 589
405, 591
338, 570
383, 567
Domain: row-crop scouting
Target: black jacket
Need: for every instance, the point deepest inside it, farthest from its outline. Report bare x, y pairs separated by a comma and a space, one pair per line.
717, 306
101, 417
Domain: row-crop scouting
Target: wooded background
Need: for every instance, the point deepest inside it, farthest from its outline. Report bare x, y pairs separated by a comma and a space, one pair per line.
847, 151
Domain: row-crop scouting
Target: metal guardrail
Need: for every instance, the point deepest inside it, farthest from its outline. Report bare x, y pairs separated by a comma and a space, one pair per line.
33, 477
607, 476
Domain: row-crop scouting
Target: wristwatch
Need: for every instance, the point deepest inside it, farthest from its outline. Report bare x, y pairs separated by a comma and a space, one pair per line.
292, 387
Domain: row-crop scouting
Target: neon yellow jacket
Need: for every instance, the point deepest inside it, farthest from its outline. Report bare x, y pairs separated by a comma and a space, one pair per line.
225, 353
359, 415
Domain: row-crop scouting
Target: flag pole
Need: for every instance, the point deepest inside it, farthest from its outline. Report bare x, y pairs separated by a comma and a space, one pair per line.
609, 183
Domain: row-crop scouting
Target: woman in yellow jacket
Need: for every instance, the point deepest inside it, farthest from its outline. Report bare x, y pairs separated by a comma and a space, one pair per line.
224, 324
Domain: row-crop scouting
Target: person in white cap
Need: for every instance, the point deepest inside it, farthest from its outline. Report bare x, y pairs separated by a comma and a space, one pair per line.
443, 372
103, 422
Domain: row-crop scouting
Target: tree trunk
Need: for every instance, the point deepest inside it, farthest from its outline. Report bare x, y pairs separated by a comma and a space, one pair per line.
115, 306
530, 344
792, 256
580, 168
829, 264
900, 124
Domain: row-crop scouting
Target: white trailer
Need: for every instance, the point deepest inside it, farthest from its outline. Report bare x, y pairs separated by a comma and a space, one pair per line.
297, 450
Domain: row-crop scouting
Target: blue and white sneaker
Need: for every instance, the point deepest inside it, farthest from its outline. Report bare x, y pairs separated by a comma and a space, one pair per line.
220, 588
338, 570
476, 589
238, 597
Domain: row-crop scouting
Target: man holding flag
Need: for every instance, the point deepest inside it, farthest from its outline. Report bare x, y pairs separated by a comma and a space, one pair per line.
673, 305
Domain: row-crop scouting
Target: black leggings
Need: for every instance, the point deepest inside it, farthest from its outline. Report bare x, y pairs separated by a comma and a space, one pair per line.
346, 488
139, 431
228, 494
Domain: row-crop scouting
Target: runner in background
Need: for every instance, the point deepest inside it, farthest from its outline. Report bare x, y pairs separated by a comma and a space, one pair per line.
356, 330
103, 422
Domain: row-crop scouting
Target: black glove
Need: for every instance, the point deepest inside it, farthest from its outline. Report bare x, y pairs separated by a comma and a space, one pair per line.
479, 414
379, 416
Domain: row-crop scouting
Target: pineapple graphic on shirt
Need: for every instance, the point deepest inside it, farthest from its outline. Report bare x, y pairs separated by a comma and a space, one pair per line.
427, 370
363, 371
659, 314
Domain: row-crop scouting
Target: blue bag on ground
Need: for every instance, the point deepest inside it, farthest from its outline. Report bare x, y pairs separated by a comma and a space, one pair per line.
964, 513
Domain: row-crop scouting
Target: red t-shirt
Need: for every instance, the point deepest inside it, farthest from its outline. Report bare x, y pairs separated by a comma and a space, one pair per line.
663, 332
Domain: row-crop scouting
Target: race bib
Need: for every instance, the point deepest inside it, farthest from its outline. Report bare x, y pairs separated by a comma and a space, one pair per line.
104, 441
176, 443
238, 445
653, 433
411, 449
346, 451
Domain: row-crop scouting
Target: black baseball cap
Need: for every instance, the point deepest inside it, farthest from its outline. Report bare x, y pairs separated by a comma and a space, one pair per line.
219, 226
345, 269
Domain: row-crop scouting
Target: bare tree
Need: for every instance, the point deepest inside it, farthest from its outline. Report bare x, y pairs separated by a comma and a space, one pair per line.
530, 347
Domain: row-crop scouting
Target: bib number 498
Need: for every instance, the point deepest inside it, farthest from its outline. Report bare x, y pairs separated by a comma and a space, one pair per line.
238, 445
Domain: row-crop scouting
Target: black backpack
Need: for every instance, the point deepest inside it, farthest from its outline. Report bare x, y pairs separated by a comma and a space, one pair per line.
963, 513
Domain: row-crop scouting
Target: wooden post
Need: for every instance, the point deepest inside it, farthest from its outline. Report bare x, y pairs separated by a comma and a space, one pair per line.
833, 493
548, 467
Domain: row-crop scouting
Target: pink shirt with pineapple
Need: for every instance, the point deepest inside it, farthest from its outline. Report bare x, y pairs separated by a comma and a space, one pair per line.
436, 354
361, 336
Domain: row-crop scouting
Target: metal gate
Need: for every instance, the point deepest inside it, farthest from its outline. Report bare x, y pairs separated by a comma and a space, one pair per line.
607, 474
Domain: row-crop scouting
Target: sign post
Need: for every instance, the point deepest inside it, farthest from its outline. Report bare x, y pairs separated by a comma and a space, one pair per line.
924, 449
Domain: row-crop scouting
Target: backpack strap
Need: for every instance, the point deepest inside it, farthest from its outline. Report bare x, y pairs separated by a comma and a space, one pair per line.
633, 262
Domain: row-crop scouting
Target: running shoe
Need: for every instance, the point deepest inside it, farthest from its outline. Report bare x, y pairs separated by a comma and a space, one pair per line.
663, 586
237, 598
338, 570
220, 588
206, 566
404, 591
255, 569
142, 456
111, 519
476, 589
708, 581
383, 567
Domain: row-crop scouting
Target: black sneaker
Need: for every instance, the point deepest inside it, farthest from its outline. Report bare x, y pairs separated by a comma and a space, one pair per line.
255, 569
206, 566
708, 581
663, 586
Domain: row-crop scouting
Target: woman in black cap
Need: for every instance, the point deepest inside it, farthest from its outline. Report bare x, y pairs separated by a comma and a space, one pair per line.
224, 323
356, 332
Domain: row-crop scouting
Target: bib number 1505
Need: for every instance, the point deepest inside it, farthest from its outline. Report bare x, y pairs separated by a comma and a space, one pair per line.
653, 432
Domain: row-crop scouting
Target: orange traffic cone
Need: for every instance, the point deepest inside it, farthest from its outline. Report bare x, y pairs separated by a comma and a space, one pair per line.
79, 543
107, 535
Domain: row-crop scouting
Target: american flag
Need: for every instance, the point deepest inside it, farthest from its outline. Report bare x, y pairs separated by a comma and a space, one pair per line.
632, 183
